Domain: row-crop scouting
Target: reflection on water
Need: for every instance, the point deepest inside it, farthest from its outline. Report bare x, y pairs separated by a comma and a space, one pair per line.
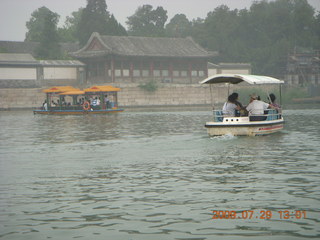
155, 175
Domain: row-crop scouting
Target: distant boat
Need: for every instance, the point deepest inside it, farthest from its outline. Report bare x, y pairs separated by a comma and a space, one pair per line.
244, 125
65, 100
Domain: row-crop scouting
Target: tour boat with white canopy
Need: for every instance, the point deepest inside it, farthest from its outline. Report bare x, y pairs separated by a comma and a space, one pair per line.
271, 121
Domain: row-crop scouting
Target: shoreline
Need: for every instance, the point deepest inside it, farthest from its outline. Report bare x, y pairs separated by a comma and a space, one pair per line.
138, 107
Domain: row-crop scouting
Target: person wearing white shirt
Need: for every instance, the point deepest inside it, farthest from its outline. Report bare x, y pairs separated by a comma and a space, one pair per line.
256, 108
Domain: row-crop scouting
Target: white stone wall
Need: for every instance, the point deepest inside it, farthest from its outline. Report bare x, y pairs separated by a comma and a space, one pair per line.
13, 73
235, 71
53, 73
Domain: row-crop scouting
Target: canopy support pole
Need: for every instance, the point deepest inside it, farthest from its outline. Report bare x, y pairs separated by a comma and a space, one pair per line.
280, 93
211, 96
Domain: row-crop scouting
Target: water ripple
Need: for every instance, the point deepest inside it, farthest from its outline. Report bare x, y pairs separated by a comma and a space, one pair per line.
155, 175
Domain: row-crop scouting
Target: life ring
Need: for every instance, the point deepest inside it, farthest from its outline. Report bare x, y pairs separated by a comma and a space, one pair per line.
86, 106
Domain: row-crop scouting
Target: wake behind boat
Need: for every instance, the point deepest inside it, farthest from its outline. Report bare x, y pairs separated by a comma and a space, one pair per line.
223, 124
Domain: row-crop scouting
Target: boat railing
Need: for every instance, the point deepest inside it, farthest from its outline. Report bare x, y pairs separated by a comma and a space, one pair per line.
111, 105
269, 114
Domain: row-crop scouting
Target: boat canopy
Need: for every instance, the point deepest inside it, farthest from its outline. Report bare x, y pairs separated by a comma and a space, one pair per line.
102, 89
238, 78
72, 93
60, 89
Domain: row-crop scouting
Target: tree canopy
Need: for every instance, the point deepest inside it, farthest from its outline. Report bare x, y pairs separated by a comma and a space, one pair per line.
42, 28
37, 23
262, 35
179, 26
96, 18
147, 22
68, 33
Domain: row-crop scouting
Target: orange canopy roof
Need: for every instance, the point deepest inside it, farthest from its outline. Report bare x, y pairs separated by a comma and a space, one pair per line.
60, 89
102, 89
74, 92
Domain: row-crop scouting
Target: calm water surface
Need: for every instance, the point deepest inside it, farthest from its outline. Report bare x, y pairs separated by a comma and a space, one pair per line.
156, 175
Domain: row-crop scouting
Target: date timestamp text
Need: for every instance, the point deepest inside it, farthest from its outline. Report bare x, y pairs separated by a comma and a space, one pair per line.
259, 214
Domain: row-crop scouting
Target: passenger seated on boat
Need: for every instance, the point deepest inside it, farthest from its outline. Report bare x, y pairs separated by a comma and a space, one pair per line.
95, 102
242, 111
230, 107
272, 102
256, 108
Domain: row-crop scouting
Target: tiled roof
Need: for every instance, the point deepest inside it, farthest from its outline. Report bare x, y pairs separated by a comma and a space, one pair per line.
63, 63
143, 46
17, 59
29, 47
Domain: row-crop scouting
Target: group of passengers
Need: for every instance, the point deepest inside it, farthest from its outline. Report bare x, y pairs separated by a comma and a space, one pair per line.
63, 103
93, 101
255, 109
96, 101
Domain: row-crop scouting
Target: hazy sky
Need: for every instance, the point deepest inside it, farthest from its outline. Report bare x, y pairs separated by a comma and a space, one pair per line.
15, 13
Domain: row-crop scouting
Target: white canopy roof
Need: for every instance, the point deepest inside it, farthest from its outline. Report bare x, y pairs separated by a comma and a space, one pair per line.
238, 78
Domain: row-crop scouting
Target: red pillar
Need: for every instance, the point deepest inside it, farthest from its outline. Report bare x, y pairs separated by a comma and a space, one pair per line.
112, 70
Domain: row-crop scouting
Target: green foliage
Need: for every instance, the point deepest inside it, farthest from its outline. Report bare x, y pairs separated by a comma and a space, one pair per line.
3, 50
96, 18
150, 86
179, 26
147, 22
68, 33
294, 92
43, 29
38, 22
115, 28
262, 35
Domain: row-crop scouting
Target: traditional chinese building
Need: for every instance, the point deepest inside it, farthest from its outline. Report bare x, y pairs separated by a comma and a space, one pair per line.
139, 59
303, 68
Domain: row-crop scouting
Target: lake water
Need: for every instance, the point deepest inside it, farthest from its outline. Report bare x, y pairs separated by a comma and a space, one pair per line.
157, 175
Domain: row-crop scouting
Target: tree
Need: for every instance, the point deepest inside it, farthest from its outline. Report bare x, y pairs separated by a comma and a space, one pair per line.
179, 26
262, 35
68, 33
147, 22
221, 27
37, 23
115, 28
96, 18
43, 29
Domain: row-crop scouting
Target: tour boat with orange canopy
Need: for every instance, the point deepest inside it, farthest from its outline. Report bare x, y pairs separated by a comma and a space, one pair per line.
69, 100
270, 121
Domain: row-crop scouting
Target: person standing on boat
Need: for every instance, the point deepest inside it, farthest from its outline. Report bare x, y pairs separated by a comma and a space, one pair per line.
256, 108
107, 101
230, 107
45, 105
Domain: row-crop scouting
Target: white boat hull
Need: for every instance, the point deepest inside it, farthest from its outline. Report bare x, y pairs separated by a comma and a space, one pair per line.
243, 127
